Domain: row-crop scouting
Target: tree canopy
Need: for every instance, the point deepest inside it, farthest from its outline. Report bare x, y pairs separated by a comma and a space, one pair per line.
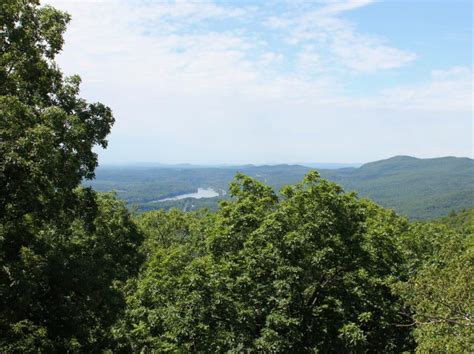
62, 248
311, 269
308, 272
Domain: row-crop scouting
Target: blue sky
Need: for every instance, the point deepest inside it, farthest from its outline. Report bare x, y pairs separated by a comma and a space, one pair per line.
276, 82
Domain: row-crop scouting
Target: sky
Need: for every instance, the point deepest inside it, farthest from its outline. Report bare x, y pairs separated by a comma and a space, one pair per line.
259, 82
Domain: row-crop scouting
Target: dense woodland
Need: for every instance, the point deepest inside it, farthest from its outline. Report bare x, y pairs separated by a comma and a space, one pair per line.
309, 269
416, 188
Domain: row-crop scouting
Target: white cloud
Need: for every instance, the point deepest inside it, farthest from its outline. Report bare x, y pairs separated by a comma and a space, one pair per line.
365, 54
449, 91
337, 6
339, 41
184, 89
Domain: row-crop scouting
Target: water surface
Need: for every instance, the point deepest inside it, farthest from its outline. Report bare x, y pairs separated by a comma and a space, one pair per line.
201, 193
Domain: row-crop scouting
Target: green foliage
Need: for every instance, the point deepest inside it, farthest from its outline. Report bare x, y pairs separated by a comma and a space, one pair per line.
63, 250
144, 186
62, 291
47, 132
439, 290
31, 37
311, 271
462, 221
416, 188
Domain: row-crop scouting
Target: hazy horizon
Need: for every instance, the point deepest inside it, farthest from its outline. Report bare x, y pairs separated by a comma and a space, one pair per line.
223, 164
226, 164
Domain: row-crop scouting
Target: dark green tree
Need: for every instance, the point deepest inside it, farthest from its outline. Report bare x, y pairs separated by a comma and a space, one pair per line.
439, 287
63, 252
47, 132
308, 272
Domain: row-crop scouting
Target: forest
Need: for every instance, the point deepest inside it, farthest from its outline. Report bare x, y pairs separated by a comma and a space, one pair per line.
419, 189
307, 268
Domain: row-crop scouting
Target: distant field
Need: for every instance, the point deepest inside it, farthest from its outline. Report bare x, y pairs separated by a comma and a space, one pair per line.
417, 188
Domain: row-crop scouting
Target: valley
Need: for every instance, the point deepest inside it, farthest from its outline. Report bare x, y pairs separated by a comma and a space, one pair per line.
416, 188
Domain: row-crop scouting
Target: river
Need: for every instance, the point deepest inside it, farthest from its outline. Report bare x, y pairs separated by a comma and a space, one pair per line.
201, 193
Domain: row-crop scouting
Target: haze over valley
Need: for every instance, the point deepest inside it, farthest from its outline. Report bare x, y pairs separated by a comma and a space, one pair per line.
417, 188
188, 176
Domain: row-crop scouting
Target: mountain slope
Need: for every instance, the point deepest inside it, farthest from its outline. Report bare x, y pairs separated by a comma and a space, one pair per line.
417, 188
462, 220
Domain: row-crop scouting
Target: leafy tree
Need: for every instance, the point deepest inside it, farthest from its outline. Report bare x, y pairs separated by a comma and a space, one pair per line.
63, 252
309, 272
47, 132
65, 290
311, 269
439, 291
462, 221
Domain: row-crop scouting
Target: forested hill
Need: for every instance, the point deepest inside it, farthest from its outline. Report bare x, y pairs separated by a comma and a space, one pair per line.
418, 188
461, 221
312, 269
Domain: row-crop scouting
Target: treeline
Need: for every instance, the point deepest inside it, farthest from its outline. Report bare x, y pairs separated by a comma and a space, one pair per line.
316, 270
310, 269
421, 189
462, 220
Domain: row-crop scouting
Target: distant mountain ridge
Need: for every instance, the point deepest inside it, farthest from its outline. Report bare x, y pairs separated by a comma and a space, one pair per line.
415, 187
319, 165
419, 188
